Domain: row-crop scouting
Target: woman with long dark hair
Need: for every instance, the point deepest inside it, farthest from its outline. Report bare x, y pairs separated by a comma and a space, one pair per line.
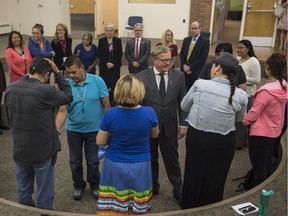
214, 106
252, 69
18, 57
266, 118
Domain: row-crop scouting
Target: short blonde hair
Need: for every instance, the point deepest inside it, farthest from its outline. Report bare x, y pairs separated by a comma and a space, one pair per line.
158, 50
129, 91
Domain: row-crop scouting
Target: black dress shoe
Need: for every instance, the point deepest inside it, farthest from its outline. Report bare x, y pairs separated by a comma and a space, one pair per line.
78, 194
155, 192
4, 127
95, 193
178, 197
1, 132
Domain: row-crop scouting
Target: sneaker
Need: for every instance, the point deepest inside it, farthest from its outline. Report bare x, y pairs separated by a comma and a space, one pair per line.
95, 193
78, 194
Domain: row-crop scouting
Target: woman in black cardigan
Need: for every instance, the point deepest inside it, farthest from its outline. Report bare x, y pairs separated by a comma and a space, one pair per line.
110, 55
61, 45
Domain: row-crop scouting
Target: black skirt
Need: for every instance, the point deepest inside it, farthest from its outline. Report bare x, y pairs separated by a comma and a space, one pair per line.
208, 159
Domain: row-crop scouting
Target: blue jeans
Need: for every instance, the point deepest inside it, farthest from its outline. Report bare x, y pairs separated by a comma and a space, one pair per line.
44, 174
76, 141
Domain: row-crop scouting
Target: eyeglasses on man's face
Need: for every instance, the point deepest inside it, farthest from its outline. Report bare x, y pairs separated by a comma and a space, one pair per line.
167, 61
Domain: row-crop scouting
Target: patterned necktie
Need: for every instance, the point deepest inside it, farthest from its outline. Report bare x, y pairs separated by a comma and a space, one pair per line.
162, 89
192, 44
136, 49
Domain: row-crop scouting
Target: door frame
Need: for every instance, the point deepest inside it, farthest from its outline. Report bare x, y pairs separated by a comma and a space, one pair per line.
241, 37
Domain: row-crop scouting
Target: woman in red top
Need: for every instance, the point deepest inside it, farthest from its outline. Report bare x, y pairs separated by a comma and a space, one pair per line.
18, 57
169, 41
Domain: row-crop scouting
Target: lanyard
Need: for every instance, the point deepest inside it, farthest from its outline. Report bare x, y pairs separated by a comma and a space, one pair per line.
81, 98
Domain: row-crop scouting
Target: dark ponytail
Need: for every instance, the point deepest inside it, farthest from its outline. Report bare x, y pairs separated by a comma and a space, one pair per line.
231, 75
277, 66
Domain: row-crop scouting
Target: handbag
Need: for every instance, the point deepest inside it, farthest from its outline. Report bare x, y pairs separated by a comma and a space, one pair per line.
279, 10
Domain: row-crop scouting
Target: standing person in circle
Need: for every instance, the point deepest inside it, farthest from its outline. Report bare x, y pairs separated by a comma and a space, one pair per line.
18, 57
137, 51
110, 56
165, 89
169, 41
265, 118
252, 69
61, 44
83, 116
88, 53
126, 178
38, 45
214, 106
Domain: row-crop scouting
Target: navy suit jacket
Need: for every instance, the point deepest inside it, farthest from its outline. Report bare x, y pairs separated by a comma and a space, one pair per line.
166, 110
196, 60
144, 53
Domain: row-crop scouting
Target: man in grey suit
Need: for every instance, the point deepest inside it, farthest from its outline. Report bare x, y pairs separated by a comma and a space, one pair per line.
165, 89
137, 51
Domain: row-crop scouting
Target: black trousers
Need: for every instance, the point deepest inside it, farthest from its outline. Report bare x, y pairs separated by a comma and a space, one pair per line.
208, 159
261, 151
169, 150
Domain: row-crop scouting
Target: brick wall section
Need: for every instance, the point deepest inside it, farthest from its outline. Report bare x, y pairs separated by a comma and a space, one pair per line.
200, 10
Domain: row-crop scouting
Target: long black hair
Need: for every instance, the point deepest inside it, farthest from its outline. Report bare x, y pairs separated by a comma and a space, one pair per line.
10, 42
248, 45
277, 65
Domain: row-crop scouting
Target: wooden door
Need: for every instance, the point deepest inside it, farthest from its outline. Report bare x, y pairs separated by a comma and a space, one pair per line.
259, 22
81, 6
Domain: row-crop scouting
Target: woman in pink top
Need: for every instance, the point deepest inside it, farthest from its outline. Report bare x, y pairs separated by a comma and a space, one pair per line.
18, 57
266, 118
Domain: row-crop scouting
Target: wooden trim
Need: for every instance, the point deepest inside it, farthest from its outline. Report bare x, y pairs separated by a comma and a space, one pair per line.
179, 212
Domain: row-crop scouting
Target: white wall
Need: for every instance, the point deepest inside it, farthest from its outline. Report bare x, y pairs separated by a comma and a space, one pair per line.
4, 18
157, 18
23, 14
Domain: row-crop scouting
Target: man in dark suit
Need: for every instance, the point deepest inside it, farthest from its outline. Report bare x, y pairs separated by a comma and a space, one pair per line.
137, 51
165, 89
193, 55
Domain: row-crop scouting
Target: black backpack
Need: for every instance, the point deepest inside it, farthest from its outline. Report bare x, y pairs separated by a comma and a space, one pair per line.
248, 181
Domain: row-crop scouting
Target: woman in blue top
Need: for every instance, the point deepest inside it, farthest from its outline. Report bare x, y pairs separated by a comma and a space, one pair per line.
38, 45
214, 106
126, 178
87, 51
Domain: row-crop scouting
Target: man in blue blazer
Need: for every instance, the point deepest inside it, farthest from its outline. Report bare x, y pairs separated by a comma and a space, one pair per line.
137, 51
193, 54
167, 107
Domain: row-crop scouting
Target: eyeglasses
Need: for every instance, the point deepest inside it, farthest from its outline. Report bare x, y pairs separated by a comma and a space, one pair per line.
194, 28
36, 33
247, 209
165, 60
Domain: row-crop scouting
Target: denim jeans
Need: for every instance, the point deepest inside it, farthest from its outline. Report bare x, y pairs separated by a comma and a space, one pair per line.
76, 141
44, 174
